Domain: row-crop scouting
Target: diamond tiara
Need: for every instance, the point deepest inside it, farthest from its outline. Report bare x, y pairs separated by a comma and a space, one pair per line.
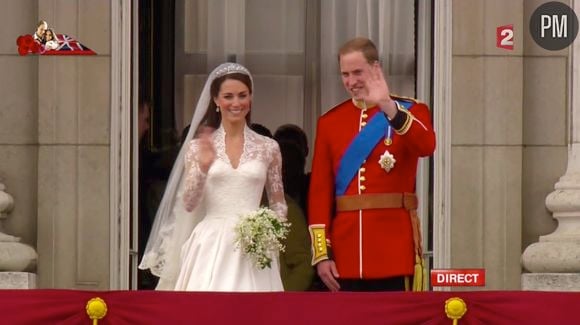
227, 68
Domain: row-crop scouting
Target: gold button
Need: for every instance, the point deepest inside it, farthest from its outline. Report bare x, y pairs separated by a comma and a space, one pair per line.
363, 123
362, 169
362, 178
362, 187
365, 116
319, 235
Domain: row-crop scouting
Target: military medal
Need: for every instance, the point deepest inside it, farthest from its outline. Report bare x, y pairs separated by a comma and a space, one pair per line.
387, 161
388, 140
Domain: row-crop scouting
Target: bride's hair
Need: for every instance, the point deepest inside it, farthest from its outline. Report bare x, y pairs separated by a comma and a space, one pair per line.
212, 118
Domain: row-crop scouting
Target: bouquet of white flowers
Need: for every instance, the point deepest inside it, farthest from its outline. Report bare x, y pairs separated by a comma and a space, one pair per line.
259, 234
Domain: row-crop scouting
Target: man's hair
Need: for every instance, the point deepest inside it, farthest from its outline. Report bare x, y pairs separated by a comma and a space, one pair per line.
42, 22
363, 45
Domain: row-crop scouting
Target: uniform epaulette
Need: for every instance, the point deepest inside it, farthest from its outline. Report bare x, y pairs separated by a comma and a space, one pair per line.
406, 102
406, 99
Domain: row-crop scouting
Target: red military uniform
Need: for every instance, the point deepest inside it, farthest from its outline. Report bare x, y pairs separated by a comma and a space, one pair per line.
368, 243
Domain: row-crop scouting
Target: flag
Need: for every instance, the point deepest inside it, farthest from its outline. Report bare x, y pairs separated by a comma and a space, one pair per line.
69, 46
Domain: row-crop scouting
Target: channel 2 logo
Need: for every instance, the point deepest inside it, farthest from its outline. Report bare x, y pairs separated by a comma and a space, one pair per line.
505, 37
553, 26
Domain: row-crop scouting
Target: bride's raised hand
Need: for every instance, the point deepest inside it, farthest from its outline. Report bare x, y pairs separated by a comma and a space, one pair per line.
206, 152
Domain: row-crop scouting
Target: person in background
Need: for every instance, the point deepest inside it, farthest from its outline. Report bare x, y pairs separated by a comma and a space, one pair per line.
299, 182
148, 183
293, 133
261, 129
297, 271
295, 268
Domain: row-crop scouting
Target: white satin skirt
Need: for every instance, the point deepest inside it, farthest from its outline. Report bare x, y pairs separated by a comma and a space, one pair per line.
210, 261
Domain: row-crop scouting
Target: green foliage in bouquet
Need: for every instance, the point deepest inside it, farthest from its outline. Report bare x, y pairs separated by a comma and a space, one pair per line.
260, 235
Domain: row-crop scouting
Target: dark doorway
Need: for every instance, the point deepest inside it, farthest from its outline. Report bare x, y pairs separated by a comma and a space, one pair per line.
158, 144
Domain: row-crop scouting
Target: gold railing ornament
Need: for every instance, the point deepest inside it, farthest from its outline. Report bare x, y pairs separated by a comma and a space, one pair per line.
96, 309
455, 308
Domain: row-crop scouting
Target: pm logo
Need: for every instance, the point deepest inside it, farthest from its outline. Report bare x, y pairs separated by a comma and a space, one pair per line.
505, 37
554, 26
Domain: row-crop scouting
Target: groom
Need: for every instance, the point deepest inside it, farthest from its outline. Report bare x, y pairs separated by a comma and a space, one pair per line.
362, 208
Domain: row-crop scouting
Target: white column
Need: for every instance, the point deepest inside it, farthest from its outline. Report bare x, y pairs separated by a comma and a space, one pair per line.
555, 260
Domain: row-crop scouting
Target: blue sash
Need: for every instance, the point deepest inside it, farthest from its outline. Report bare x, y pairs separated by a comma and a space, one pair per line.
361, 147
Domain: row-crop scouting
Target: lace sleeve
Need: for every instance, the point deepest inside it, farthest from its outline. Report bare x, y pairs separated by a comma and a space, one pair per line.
194, 178
274, 185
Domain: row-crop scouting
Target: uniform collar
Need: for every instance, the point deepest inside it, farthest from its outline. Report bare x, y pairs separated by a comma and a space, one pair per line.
362, 104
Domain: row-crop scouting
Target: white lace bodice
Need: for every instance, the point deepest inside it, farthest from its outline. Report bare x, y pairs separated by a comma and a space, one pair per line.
228, 191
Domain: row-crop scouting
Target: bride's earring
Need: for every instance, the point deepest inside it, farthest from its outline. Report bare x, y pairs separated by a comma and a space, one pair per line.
217, 109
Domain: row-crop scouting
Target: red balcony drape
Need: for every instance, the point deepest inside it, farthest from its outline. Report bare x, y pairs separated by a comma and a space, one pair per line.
149, 307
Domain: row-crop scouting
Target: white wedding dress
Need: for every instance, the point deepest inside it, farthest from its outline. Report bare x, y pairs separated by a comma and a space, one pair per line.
210, 260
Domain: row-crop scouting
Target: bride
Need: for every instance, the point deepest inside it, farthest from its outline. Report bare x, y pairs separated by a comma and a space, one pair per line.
218, 176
